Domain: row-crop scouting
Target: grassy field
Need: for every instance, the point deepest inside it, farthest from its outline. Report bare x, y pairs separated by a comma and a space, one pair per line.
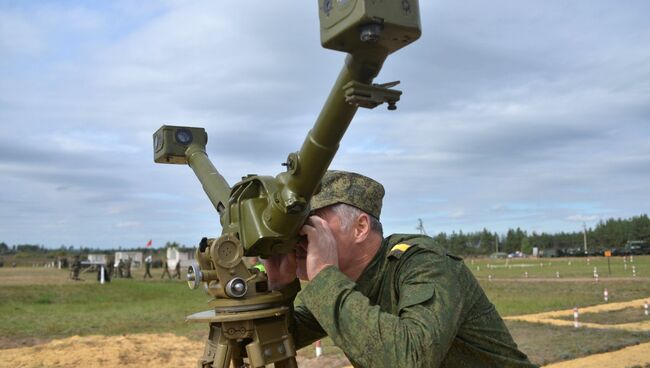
39, 304
59, 307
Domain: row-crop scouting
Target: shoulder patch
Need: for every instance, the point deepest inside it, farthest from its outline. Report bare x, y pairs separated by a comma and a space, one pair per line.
398, 249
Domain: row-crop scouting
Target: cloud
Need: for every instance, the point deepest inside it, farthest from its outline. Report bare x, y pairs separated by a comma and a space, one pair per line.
513, 114
582, 218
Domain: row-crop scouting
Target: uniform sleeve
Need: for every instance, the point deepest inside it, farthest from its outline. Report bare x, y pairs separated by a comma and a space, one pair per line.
304, 328
427, 316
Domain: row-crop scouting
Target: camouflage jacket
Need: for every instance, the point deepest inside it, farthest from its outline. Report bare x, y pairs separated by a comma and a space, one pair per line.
414, 305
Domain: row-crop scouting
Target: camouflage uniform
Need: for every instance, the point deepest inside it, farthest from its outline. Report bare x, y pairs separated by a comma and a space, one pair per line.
165, 270
147, 267
177, 270
76, 268
414, 305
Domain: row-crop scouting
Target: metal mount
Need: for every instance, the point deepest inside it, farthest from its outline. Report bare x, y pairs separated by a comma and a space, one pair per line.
371, 96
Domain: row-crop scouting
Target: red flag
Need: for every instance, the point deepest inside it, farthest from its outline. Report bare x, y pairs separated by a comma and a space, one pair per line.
149, 243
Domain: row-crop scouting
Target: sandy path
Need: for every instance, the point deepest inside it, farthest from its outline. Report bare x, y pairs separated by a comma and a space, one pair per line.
632, 356
551, 317
127, 351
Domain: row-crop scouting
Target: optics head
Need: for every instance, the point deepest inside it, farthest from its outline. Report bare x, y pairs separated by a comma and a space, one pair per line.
171, 142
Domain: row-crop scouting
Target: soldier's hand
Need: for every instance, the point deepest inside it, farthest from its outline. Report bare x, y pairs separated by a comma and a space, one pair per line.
321, 246
280, 269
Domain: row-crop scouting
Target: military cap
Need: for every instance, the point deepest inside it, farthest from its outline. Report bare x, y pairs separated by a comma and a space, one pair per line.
350, 188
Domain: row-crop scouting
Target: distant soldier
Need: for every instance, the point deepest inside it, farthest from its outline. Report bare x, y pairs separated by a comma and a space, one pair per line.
177, 273
147, 267
110, 267
120, 268
75, 269
165, 270
127, 267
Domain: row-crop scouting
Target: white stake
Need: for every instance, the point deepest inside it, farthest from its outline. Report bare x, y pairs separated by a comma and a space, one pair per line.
633, 271
625, 266
576, 324
526, 274
597, 278
645, 307
319, 348
557, 274
489, 277
101, 274
606, 295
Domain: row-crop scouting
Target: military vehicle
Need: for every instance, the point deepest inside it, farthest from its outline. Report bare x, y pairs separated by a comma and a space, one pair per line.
261, 215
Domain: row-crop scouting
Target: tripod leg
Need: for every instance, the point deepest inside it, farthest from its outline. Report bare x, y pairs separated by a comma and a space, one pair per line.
237, 359
218, 350
287, 363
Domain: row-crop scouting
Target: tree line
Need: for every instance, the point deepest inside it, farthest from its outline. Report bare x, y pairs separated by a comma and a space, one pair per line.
612, 233
609, 234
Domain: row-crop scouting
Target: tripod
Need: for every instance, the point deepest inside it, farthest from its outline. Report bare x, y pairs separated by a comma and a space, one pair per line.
250, 338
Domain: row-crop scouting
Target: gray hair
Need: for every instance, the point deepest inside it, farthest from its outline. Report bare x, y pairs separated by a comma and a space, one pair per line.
348, 214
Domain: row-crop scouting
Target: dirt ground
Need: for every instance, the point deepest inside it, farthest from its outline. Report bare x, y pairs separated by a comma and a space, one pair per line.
169, 350
128, 351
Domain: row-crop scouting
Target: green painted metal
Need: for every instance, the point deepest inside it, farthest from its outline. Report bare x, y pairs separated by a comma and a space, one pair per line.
261, 215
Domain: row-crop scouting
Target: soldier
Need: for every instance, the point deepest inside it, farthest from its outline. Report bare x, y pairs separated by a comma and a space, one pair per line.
165, 270
75, 269
110, 267
402, 301
120, 268
127, 268
147, 267
177, 270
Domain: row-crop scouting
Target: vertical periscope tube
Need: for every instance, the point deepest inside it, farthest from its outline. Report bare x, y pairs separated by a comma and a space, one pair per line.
214, 185
323, 139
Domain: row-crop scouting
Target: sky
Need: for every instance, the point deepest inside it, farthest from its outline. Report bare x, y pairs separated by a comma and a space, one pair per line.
531, 114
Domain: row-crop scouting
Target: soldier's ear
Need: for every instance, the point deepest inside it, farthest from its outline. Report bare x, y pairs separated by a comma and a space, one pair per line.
362, 228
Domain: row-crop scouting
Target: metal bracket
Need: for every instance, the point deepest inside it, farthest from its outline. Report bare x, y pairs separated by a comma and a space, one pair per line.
371, 96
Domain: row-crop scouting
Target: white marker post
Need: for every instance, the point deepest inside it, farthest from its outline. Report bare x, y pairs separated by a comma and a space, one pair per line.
557, 274
597, 278
633, 271
606, 295
478, 268
101, 274
576, 324
489, 277
319, 348
645, 307
526, 274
